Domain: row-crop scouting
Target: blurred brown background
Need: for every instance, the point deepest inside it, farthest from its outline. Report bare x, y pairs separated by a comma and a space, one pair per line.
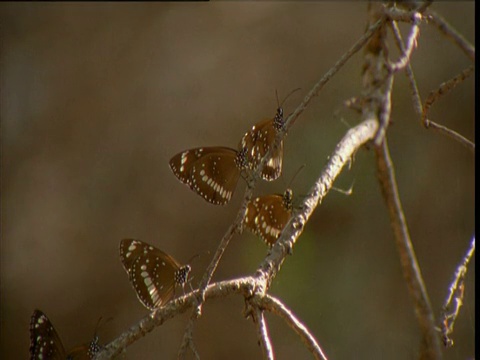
96, 98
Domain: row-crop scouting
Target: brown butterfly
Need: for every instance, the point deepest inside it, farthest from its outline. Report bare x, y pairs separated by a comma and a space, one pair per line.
213, 172
152, 273
267, 215
258, 142
46, 344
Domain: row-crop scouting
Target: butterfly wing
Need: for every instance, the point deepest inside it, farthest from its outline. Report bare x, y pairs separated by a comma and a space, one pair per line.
258, 142
151, 272
267, 216
211, 172
44, 340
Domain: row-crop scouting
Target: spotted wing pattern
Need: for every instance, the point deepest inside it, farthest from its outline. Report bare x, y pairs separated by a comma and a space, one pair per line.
44, 340
212, 172
266, 216
152, 273
46, 344
258, 142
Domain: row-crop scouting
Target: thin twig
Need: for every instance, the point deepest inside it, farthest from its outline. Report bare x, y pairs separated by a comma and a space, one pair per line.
262, 332
385, 111
444, 89
325, 78
395, 13
417, 101
275, 306
404, 59
453, 134
451, 33
455, 294
410, 268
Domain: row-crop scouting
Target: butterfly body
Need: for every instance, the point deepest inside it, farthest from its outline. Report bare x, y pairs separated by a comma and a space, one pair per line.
152, 272
45, 342
267, 215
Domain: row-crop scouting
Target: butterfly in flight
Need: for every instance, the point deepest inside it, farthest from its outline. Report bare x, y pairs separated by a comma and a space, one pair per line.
213, 172
46, 344
152, 273
267, 215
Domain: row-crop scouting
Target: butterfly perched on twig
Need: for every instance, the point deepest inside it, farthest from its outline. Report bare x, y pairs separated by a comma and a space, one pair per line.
266, 216
152, 273
46, 344
258, 142
213, 172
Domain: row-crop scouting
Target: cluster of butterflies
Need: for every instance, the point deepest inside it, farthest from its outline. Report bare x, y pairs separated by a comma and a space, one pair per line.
213, 173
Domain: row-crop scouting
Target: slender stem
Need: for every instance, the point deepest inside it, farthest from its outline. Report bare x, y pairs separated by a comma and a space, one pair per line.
452, 134
410, 268
456, 292
275, 306
262, 333
404, 59
451, 33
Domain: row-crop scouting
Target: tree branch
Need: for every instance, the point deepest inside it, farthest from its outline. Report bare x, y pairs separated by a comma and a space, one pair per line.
410, 268
275, 306
451, 34
262, 331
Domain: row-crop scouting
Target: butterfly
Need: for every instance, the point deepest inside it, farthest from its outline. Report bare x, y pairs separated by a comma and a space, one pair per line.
266, 216
258, 142
152, 273
213, 172
46, 344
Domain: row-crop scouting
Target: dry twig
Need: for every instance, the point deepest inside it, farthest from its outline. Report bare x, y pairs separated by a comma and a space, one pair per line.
275, 306
262, 331
451, 33
443, 89
410, 268
455, 296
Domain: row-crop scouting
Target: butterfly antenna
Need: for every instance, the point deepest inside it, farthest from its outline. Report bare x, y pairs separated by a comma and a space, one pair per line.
286, 97
97, 327
295, 175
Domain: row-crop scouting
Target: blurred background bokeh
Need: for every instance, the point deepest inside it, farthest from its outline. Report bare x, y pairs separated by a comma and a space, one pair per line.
96, 98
